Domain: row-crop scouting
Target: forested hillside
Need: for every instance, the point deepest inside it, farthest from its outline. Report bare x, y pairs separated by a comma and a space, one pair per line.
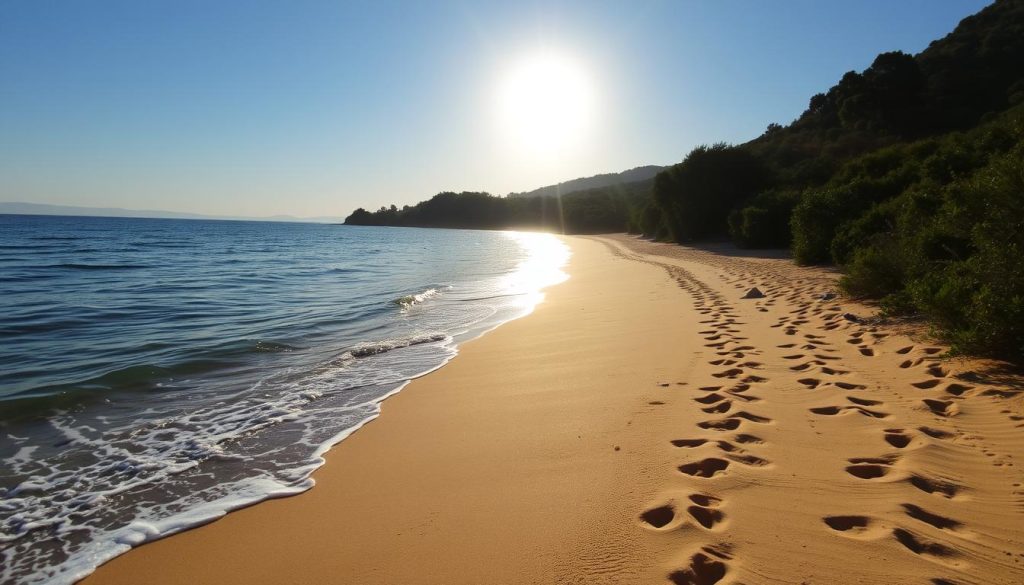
598, 210
636, 175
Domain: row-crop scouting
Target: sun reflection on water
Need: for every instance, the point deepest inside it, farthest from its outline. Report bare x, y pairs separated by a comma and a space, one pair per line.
546, 256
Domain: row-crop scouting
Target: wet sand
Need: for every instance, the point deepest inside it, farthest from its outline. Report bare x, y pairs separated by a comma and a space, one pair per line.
647, 425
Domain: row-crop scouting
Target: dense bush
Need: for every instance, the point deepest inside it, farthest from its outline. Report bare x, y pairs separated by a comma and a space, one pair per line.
954, 254
697, 195
978, 301
763, 222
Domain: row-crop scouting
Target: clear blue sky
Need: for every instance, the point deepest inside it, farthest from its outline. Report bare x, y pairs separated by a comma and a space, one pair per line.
315, 107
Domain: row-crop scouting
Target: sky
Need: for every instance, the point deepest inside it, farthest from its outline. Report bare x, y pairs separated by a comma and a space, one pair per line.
314, 108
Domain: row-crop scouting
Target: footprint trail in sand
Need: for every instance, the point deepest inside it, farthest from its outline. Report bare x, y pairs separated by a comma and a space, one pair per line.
816, 436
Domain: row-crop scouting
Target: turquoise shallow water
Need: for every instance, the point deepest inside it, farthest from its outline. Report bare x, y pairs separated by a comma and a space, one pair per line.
157, 373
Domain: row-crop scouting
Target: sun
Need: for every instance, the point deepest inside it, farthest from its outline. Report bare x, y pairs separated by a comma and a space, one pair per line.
545, 104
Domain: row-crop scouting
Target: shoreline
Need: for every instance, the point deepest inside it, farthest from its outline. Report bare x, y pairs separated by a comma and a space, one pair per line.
454, 429
644, 424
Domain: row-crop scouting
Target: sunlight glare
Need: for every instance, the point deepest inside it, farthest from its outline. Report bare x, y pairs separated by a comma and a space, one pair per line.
545, 258
545, 104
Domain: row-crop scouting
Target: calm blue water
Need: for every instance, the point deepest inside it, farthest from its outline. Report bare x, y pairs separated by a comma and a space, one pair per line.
157, 373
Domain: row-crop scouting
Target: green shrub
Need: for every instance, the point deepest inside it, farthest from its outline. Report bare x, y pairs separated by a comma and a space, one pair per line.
875, 271
764, 221
815, 220
697, 195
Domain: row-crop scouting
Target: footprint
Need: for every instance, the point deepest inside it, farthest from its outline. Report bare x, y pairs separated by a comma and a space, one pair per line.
705, 468
705, 500
737, 392
689, 443
751, 460
863, 401
849, 386
834, 410
749, 439
905, 350
752, 417
710, 398
935, 520
704, 569
870, 413
933, 486
860, 527
706, 517
897, 439
721, 407
728, 424
957, 389
920, 546
941, 407
867, 352
867, 470
811, 383
927, 384
936, 433
659, 517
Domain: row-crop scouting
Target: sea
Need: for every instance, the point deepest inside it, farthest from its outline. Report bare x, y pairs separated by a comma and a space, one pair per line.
156, 374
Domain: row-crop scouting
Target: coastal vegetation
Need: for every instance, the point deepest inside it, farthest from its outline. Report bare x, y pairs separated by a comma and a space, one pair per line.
597, 210
908, 175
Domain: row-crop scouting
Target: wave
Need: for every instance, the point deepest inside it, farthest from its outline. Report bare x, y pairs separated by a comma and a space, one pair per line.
56, 238
163, 244
363, 350
415, 299
80, 266
133, 378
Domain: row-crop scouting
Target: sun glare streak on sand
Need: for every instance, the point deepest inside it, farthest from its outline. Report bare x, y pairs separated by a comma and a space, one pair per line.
545, 104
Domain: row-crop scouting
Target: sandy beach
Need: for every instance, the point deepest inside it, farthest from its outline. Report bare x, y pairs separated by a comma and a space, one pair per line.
646, 424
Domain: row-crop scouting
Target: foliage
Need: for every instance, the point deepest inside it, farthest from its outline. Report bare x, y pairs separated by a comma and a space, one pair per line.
601, 210
697, 195
764, 221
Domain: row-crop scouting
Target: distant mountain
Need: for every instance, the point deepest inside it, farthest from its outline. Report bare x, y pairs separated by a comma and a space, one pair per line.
18, 208
596, 182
